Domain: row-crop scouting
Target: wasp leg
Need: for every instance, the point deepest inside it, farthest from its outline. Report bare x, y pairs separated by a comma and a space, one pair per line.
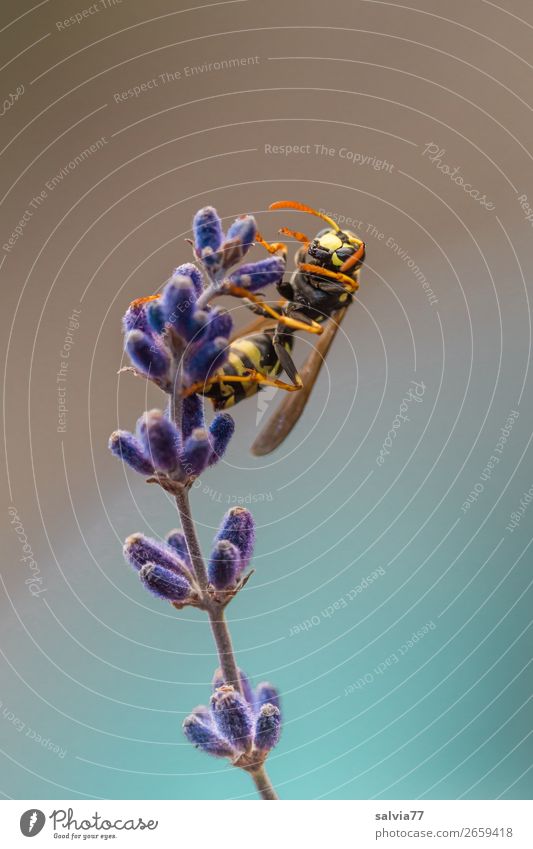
348, 282
309, 326
271, 247
299, 237
249, 377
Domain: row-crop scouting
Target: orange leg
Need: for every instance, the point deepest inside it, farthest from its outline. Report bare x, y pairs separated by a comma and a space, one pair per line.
272, 248
294, 234
313, 327
247, 377
348, 282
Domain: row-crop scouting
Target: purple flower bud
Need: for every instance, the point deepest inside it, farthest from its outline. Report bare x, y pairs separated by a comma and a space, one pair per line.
196, 327
256, 275
203, 713
221, 430
156, 316
204, 736
267, 728
188, 269
224, 565
135, 317
238, 527
125, 446
192, 414
219, 323
139, 550
176, 540
239, 238
178, 301
146, 354
196, 452
164, 583
208, 235
266, 694
246, 687
160, 439
233, 717
207, 358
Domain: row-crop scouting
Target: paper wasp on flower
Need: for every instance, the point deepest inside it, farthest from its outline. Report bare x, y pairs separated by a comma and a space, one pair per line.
313, 300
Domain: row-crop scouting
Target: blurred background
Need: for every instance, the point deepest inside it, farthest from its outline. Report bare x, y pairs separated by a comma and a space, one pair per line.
391, 601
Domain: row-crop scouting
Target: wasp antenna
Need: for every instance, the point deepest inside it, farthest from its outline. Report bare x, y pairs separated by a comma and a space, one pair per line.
294, 204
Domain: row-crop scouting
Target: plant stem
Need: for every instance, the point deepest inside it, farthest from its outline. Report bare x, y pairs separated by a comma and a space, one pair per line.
263, 783
215, 611
219, 627
187, 524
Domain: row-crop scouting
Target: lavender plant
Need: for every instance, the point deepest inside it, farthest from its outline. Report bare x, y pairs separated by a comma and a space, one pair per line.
178, 340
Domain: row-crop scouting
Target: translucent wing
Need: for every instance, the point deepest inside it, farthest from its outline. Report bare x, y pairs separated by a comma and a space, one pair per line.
292, 406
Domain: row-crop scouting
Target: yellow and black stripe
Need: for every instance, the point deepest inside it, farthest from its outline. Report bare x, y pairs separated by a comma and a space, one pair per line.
251, 353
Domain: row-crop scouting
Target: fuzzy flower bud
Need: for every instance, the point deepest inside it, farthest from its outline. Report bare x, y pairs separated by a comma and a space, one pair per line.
246, 687
224, 566
221, 430
135, 317
146, 355
239, 238
156, 316
176, 540
164, 583
192, 415
208, 235
178, 301
196, 452
267, 728
257, 275
202, 735
125, 446
160, 439
207, 358
219, 323
188, 269
139, 550
266, 694
233, 717
238, 527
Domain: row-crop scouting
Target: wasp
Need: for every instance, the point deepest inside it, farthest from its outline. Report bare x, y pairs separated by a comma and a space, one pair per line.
314, 299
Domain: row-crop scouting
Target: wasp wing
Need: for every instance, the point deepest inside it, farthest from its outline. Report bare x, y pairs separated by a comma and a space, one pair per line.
292, 406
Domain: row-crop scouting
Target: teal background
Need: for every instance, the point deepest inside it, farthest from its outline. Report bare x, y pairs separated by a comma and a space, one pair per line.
107, 673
